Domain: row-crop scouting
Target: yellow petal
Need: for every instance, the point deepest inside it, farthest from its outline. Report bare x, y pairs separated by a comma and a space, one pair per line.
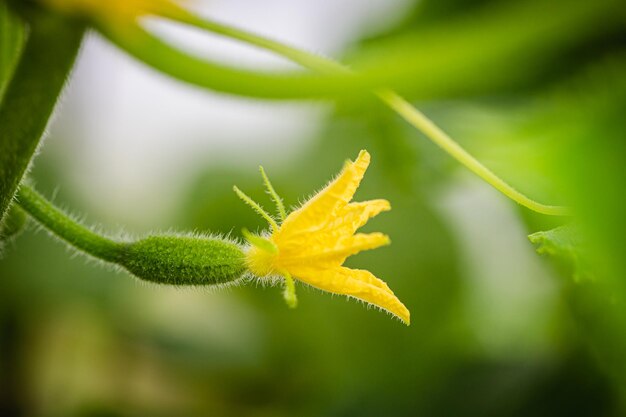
322, 207
354, 215
369, 278
355, 283
325, 256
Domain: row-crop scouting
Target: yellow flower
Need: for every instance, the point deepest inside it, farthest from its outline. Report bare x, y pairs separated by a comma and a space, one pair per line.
313, 242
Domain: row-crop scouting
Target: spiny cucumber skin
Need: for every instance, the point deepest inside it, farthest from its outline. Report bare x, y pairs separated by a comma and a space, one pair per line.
184, 260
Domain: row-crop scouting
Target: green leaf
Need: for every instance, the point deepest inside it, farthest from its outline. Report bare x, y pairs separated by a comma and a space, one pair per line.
30, 96
564, 244
12, 35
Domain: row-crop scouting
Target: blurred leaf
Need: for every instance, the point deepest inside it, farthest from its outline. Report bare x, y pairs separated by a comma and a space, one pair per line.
495, 47
564, 244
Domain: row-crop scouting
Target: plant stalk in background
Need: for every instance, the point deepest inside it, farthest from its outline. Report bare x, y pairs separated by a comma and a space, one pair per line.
121, 26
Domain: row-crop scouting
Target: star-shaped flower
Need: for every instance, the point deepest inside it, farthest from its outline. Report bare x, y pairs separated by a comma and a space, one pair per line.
312, 243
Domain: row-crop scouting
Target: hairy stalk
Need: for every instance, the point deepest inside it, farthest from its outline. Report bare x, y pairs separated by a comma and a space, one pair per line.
256, 207
398, 104
290, 290
57, 222
171, 259
31, 95
280, 206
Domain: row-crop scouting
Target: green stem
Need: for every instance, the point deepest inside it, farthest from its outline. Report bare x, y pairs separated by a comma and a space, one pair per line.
452, 148
438, 52
31, 95
306, 59
290, 290
256, 207
172, 259
393, 100
62, 226
158, 54
280, 206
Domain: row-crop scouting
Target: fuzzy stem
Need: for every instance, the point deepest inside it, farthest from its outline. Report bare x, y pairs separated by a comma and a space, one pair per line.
161, 258
29, 98
280, 206
256, 207
62, 226
407, 111
290, 290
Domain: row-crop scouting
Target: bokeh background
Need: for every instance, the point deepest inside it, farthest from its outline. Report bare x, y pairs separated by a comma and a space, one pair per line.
496, 329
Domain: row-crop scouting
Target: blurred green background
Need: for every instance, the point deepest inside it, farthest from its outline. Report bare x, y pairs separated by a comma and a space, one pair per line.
496, 329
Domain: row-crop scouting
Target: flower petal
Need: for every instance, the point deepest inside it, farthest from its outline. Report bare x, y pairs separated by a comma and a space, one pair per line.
354, 215
317, 252
320, 208
355, 283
